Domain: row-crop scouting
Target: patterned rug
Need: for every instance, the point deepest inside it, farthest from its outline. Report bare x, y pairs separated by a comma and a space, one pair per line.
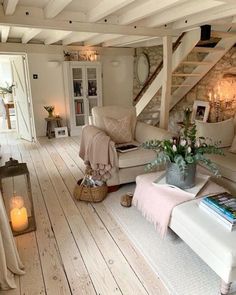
181, 270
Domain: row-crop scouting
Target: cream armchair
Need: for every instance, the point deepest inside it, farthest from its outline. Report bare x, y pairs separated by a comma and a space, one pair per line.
132, 163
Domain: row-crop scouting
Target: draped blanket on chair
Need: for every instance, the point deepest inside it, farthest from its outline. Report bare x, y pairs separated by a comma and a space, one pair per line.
98, 150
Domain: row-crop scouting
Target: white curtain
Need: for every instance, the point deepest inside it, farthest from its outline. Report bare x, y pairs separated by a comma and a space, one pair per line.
10, 263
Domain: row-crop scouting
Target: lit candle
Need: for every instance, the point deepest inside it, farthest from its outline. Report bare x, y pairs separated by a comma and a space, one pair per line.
19, 216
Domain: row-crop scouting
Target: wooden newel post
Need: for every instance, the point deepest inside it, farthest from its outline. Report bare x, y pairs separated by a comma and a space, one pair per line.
21, 208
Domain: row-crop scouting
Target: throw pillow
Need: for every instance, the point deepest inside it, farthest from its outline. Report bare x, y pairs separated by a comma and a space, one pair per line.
119, 130
233, 146
220, 132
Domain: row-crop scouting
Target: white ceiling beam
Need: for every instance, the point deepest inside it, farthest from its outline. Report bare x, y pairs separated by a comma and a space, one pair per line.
30, 34
4, 33
106, 7
56, 36
205, 17
77, 37
54, 7
9, 6
180, 11
29, 22
100, 39
125, 40
146, 9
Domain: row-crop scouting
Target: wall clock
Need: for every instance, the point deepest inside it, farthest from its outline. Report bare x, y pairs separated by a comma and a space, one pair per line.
142, 68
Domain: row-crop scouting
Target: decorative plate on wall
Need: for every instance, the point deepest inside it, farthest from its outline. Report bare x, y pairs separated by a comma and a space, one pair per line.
142, 68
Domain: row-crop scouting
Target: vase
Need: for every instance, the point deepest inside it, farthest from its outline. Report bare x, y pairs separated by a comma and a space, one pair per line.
50, 114
183, 181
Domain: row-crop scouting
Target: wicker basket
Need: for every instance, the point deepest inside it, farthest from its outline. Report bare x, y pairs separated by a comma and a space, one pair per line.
90, 194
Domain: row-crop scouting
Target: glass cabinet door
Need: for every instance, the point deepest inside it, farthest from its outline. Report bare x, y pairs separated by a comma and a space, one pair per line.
77, 77
92, 87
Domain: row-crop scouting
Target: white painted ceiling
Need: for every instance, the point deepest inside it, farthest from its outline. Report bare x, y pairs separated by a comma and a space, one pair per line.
115, 23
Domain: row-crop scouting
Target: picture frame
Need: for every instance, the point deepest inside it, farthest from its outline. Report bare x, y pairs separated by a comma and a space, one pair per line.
61, 132
200, 111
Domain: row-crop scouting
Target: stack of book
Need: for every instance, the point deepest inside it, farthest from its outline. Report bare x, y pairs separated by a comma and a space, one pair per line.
222, 207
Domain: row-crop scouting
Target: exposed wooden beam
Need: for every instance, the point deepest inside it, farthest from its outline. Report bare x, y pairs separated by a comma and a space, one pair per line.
9, 6
205, 17
54, 7
57, 36
125, 40
77, 37
146, 9
106, 7
180, 11
4, 33
30, 34
166, 84
29, 22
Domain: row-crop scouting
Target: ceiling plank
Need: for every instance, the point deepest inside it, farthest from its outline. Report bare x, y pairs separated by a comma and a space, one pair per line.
126, 40
9, 6
54, 7
56, 36
29, 22
30, 34
146, 9
180, 11
100, 39
77, 37
105, 8
4, 33
205, 17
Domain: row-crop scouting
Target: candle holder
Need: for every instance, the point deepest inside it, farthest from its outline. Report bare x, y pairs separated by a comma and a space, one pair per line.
21, 208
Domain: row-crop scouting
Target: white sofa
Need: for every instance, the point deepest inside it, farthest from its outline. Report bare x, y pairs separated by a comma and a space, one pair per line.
223, 132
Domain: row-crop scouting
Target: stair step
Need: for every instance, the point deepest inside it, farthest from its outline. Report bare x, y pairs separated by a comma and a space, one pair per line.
207, 49
193, 62
151, 111
182, 85
185, 75
220, 34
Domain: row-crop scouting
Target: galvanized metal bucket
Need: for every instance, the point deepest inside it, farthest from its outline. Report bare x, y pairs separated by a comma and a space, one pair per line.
175, 177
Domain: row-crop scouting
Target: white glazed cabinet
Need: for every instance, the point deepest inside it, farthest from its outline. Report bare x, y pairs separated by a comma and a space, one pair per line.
83, 90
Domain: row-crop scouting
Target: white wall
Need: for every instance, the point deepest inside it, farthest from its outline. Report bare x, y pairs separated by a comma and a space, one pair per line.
48, 89
5, 71
117, 80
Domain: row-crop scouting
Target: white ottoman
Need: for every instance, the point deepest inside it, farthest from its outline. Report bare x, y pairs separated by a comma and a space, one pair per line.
208, 238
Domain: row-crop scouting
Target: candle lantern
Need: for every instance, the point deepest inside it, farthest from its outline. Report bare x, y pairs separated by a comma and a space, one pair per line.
21, 208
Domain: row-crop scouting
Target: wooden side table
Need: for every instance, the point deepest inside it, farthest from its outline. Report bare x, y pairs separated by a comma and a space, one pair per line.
50, 121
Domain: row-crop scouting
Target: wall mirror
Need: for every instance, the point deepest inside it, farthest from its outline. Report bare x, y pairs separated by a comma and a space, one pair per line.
142, 68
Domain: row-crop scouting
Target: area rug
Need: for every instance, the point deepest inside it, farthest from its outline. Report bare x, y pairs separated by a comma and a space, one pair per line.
180, 269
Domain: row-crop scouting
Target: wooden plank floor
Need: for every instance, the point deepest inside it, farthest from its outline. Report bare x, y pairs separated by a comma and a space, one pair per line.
78, 248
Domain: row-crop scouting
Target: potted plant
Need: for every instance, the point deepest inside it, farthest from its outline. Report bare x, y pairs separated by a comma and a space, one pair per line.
50, 110
181, 154
66, 55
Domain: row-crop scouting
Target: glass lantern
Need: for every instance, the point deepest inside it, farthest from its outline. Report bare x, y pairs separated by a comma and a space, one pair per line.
20, 207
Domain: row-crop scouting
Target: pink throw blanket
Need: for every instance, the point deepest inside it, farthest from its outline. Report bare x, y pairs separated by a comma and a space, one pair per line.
98, 151
156, 203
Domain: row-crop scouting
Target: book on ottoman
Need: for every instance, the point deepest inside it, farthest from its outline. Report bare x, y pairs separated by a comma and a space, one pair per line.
222, 207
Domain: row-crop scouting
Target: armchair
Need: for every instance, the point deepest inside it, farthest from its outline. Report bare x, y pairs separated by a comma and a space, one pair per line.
132, 163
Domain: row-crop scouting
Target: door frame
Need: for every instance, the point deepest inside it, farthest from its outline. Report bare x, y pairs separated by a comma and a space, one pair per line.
28, 86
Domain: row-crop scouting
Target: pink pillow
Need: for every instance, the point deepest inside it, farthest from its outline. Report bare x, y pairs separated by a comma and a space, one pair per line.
119, 130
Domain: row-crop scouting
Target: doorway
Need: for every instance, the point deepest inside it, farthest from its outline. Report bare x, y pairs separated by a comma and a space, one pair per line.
16, 113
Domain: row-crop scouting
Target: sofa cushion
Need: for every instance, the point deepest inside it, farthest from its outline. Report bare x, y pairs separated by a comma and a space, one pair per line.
119, 130
226, 164
220, 132
135, 158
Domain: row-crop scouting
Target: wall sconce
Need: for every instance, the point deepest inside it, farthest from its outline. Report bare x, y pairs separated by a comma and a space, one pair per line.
115, 63
22, 220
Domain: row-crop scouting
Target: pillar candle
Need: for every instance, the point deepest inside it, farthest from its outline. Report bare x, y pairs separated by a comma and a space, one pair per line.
19, 219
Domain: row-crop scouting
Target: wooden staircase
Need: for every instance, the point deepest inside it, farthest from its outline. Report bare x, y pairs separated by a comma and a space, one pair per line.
186, 72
